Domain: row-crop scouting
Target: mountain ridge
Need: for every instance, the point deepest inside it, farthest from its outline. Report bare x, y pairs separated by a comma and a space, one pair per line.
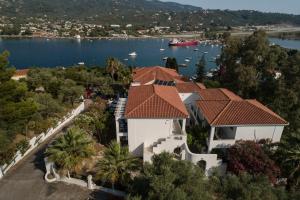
142, 12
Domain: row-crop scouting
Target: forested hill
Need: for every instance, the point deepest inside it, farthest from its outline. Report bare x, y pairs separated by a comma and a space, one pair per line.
142, 12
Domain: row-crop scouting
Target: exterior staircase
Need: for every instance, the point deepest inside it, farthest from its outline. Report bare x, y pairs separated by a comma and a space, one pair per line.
168, 144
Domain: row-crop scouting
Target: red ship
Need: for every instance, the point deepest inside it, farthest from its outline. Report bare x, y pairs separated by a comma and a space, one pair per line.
176, 42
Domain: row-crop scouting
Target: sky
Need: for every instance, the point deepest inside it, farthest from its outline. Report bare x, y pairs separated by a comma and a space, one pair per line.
282, 6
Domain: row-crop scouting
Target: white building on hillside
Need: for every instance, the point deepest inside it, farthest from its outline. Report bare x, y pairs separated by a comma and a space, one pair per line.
160, 105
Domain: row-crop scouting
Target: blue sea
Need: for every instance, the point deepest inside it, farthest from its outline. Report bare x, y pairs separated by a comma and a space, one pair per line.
42, 52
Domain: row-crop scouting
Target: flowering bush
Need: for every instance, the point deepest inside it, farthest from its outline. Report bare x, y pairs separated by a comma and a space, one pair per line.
248, 156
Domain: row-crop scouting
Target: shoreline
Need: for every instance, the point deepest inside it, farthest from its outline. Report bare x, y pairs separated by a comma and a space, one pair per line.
102, 38
271, 34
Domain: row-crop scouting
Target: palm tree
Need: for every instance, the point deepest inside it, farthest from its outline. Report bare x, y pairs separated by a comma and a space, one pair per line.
117, 164
288, 155
112, 66
70, 150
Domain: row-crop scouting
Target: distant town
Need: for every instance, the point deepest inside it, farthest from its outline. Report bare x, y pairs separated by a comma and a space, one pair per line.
42, 27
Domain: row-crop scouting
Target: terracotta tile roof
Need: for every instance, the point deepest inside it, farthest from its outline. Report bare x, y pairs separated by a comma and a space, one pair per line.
21, 72
218, 94
189, 87
154, 101
238, 112
211, 109
145, 75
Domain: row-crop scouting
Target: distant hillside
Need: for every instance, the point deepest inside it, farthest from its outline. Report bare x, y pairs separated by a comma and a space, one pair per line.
142, 12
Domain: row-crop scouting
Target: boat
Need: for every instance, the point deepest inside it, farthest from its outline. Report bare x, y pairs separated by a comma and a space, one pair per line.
78, 37
187, 60
194, 77
205, 52
161, 49
183, 65
196, 49
133, 54
176, 42
209, 75
81, 63
126, 59
165, 58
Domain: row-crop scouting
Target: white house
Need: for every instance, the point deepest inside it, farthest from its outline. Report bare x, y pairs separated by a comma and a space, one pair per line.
161, 104
232, 118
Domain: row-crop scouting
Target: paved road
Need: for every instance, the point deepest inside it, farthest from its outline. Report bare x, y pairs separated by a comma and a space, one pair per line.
26, 182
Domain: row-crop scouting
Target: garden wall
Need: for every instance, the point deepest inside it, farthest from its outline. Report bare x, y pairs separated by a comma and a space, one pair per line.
37, 140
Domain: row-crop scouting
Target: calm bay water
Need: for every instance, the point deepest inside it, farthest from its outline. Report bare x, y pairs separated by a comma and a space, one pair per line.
66, 52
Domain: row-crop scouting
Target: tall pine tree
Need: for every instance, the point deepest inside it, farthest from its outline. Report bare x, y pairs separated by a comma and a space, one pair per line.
201, 69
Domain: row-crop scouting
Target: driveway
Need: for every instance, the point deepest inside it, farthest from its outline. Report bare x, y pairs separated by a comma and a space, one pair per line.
25, 181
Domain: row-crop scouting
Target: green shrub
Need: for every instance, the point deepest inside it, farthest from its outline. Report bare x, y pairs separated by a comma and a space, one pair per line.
23, 146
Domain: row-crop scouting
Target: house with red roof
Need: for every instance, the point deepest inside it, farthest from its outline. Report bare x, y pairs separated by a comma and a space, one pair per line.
232, 118
156, 74
19, 74
160, 105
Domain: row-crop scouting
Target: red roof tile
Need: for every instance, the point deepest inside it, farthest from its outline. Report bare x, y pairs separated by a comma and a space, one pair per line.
145, 75
211, 109
21, 72
238, 112
189, 87
154, 101
218, 94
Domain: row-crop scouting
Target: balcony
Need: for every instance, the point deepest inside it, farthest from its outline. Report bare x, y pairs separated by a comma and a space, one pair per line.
223, 137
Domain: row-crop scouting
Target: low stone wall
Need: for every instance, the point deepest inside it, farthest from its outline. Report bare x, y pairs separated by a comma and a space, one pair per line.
89, 184
37, 140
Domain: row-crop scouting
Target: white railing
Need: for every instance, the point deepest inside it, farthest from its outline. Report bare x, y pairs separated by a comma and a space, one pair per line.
36, 140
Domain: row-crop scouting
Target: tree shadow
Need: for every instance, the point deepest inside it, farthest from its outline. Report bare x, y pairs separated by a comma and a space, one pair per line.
97, 195
38, 160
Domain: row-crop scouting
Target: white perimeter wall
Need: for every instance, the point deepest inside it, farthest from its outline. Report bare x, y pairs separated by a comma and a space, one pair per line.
259, 132
147, 131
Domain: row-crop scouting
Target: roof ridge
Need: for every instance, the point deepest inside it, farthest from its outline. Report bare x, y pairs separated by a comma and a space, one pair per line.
222, 90
168, 101
224, 109
145, 73
267, 110
146, 100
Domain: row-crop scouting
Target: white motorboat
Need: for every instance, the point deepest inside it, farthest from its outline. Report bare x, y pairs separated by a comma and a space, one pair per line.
133, 54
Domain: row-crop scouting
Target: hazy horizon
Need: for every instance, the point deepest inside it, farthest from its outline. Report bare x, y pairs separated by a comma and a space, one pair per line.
287, 6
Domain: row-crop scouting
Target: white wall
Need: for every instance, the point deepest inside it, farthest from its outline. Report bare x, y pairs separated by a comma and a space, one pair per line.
189, 98
147, 131
259, 132
248, 133
211, 160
